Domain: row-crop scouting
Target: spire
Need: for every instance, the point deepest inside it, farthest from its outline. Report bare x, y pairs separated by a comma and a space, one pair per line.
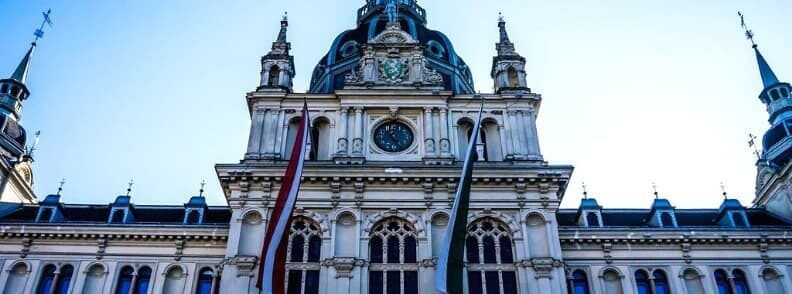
504, 36
769, 78
284, 26
22, 70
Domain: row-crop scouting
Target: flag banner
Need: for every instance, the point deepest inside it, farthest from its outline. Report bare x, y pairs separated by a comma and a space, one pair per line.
272, 266
451, 266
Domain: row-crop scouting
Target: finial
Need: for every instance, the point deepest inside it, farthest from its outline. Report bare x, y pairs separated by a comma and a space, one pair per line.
749, 34
60, 186
39, 33
752, 144
285, 16
654, 188
585, 192
392, 11
203, 183
500, 17
129, 186
723, 191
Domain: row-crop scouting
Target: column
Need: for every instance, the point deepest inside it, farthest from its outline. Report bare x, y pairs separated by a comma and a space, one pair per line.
254, 140
529, 121
357, 143
506, 133
523, 134
445, 144
515, 130
268, 134
280, 132
343, 131
428, 131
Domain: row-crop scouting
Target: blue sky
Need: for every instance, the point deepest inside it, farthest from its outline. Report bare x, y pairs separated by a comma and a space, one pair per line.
634, 92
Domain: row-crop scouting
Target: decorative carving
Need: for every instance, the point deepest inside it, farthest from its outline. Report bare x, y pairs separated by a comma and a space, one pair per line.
101, 245
606, 252
179, 249
342, 265
26, 243
543, 267
245, 264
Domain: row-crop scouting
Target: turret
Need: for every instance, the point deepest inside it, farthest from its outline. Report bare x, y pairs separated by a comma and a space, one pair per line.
277, 67
508, 67
13, 93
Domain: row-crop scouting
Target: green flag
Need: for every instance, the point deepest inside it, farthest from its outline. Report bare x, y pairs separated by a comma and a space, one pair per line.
451, 266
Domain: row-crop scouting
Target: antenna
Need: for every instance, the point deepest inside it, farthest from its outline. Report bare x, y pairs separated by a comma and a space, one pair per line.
129, 186
752, 144
749, 34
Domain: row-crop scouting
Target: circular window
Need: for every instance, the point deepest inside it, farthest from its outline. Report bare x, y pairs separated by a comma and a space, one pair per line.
393, 136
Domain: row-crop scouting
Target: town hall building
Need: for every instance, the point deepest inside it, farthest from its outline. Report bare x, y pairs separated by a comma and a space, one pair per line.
392, 106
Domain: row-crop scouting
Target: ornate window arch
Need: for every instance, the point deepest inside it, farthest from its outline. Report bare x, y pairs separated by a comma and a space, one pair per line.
208, 281
578, 283
490, 257
772, 280
393, 254
303, 253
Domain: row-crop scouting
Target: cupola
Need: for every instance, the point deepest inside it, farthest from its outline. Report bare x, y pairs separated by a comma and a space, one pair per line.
277, 67
508, 67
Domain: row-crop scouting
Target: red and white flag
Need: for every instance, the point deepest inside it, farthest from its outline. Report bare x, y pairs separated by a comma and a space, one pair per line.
272, 268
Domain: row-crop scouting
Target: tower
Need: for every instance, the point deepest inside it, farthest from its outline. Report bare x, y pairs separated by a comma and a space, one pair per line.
508, 67
277, 67
774, 179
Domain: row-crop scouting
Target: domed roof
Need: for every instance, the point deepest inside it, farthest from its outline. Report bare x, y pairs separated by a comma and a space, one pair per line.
345, 51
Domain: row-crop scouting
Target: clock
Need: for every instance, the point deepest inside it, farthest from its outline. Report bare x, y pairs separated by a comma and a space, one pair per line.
393, 136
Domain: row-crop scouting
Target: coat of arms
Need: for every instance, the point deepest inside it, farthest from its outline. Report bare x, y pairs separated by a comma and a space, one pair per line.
393, 70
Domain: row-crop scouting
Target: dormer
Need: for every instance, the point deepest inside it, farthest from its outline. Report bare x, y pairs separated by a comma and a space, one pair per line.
194, 211
589, 214
662, 214
732, 214
50, 210
121, 210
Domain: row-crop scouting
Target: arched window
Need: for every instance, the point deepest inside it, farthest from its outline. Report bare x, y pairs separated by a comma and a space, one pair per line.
291, 136
784, 92
94, 280
592, 219
490, 263
660, 285
63, 280
47, 279
738, 219
740, 282
124, 283
345, 234
250, 239
772, 281
538, 243
693, 283
774, 95
320, 140
722, 282
642, 282
490, 137
118, 216
665, 219
439, 226
4, 89
304, 251
393, 255
514, 78
611, 280
578, 283
143, 280
193, 217
206, 282
46, 215
174, 281
17, 279
274, 76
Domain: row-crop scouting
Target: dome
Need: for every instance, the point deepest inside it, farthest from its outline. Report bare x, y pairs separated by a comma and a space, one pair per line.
344, 54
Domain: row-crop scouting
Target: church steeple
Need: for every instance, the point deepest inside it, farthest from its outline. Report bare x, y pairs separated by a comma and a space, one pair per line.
769, 78
277, 67
21, 72
508, 67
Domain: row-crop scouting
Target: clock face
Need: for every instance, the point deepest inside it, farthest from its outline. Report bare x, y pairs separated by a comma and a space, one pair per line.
393, 137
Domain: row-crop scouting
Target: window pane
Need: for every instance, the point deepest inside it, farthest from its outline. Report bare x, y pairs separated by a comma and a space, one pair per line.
506, 250
410, 282
489, 249
297, 249
205, 282
394, 282
409, 250
472, 250
144, 277
474, 283
375, 250
493, 284
64, 280
393, 249
295, 282
510, 283
312, 282
47, 278
642, 282
375, 282
661, 283
723, 284
580, 282
124, 280
314, 249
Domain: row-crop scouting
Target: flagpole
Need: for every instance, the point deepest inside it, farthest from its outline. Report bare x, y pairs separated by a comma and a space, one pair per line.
449, 277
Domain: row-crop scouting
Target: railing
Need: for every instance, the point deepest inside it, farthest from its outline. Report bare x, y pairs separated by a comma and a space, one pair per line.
408, 5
